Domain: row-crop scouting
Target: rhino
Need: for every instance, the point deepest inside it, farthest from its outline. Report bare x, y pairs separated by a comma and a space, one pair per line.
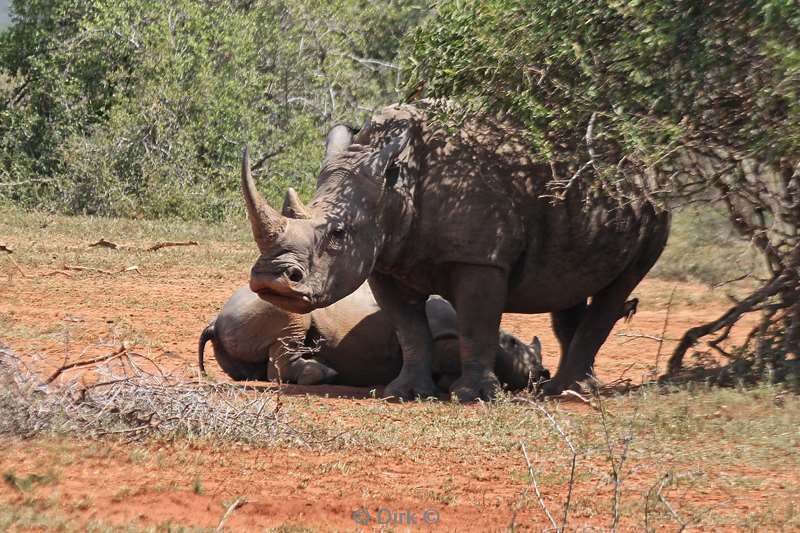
351, 342
469, 214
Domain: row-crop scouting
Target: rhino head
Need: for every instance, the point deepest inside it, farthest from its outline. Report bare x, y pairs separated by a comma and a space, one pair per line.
312, 256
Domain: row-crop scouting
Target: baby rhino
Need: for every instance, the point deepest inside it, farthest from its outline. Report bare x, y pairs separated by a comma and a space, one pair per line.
350, 342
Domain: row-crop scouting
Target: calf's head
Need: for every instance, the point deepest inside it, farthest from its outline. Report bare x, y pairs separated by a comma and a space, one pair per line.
312, 256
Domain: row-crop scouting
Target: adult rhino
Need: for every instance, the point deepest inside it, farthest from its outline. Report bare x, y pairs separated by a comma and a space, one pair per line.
421, 211
352, 342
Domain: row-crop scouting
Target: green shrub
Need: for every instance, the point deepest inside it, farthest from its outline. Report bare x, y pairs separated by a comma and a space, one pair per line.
140, 108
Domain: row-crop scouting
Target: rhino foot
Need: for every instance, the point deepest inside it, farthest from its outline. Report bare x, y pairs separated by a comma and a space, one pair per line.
469, 388
408, 386
555, 387
551, 388
315, 373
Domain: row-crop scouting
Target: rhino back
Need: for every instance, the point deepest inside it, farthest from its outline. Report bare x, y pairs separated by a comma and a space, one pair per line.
482, 198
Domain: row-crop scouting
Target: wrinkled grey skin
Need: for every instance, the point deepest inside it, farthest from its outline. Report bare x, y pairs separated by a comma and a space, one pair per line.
467, 216
354, 340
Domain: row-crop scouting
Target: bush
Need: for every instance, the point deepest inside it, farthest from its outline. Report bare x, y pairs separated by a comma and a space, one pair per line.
139, 108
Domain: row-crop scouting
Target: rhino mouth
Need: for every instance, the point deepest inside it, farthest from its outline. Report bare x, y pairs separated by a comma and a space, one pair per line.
295, 302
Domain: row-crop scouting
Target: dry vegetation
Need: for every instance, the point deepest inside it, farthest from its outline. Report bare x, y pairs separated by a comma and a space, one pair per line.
139, 442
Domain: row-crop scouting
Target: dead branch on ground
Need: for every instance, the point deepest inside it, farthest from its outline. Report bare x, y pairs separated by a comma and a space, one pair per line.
166, 244
730, 317
238, 502
87, 362
103, 243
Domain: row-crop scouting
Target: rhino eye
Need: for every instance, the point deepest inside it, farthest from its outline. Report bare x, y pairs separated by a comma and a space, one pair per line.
335, 238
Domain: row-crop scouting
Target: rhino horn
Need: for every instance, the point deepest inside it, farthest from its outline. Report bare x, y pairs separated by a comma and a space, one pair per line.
267, 223
292, 205
339, 138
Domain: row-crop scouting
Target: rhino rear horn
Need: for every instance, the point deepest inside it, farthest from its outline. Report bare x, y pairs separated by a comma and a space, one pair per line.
267, 223
292, 205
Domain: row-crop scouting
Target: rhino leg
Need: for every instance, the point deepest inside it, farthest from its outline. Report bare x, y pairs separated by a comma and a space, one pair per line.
479, 297
606, 309
414, 335
565, 324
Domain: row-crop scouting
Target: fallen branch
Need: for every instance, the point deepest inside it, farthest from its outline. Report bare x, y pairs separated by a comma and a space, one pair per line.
691, 337
79, 268
102, 243
108, 357
56, 273
634, 335
167, 244
238, 502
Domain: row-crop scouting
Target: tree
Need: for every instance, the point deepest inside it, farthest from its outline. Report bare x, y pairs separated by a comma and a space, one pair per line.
135, 107
677, 101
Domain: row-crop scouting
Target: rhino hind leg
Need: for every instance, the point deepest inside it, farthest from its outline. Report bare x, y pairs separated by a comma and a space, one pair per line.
237, 369
607, 307
565, 324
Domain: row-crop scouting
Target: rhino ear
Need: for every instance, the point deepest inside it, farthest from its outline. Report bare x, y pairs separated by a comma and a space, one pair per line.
536, 345
379, 162
292, 205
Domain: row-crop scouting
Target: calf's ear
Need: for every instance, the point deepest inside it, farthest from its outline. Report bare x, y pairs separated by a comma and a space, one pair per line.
536, 345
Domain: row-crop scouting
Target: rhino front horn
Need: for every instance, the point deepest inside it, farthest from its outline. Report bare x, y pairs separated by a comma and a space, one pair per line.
267, 223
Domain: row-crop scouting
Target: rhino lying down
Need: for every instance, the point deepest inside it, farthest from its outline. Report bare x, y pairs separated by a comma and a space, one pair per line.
351, 342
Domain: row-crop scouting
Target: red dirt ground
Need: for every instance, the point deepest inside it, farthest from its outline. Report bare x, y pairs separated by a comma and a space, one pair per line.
163, 312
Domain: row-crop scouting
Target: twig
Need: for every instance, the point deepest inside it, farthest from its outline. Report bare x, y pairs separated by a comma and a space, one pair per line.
79, 268
238, 502
662, 499
615, 470
19, 268
166, 244
106, 244
57, 273
642, 336
572, 450
664, 329
118, 352
535, 485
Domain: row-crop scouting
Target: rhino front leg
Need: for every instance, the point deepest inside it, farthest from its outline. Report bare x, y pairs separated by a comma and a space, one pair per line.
407, 313
479, 295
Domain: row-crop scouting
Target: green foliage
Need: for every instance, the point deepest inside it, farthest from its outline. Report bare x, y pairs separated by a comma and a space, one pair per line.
141, 108
703, 247
656, 73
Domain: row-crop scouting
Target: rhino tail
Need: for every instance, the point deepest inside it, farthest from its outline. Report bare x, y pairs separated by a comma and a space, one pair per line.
208, 334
